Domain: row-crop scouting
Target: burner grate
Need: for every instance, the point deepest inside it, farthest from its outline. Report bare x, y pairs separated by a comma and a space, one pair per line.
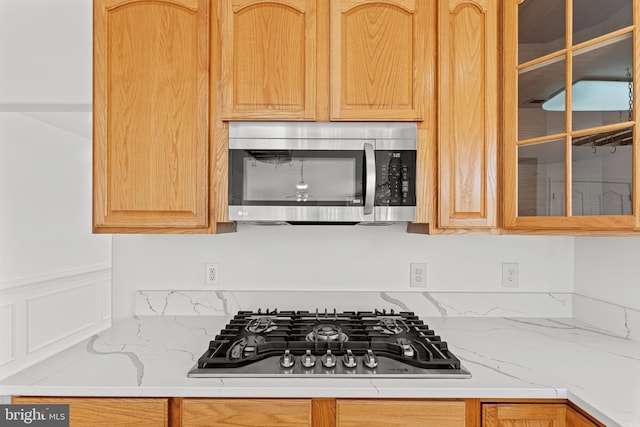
401, 337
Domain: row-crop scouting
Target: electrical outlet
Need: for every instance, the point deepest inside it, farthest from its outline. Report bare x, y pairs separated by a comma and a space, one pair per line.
418, 277
510, 275
212, 274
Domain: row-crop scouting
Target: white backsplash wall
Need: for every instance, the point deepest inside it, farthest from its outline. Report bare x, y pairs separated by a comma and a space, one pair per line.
344, 258
607, 283
608, 268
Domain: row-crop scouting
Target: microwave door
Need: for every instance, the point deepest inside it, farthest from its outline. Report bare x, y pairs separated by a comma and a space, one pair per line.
299, 185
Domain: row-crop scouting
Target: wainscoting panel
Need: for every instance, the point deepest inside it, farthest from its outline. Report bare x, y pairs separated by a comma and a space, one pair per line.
47, 323
7, 334
41, 317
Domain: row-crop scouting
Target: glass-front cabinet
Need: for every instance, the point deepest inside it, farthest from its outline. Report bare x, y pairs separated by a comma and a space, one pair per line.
570, 114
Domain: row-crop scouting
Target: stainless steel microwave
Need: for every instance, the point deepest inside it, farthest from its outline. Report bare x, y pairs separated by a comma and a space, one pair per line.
301, 173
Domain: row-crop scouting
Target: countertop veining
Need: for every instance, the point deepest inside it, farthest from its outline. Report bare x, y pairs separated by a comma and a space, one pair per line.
508, 358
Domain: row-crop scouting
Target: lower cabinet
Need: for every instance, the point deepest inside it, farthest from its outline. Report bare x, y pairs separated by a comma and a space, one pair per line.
532, 415
307, 412
108, 412
321, 413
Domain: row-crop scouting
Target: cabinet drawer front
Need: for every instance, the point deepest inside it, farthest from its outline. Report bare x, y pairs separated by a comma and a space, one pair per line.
107, 412
399, 413
524, 415
246, 412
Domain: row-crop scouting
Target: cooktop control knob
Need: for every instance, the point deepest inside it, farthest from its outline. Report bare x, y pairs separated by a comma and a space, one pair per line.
370, 360
349, 360
329, 360
287, 360
308, 360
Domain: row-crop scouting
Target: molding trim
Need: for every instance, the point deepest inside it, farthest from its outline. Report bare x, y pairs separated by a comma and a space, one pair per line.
17, 107
11, 328
20, 283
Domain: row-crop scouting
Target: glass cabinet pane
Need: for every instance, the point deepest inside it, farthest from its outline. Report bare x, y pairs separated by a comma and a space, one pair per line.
541, 28
594, 18
541, 187
601, 84
534, 87
602, 171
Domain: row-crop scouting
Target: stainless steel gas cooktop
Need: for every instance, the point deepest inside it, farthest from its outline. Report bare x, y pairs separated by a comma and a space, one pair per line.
339, 344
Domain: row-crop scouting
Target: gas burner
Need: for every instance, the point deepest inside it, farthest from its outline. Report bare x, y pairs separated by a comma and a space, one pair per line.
391, 326
261, 325
407, 348
326, 332
245, 346
365, 344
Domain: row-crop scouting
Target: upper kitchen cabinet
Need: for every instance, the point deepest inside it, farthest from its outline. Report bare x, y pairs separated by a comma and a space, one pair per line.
321, 60
151, 113
378, 59
467, 113
570, 104
268, 59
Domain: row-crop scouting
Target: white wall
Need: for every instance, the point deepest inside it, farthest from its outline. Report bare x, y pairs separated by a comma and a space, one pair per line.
55, 276
45, 52
45, 213
608, 269
371, 258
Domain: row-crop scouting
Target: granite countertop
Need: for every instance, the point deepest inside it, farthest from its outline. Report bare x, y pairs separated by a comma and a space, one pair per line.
508, 358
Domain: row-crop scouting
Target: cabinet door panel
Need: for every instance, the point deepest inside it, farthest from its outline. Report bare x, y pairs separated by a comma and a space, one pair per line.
523, 415
268, 59
377, 59
246, 412
399, 413
468, 113
107, 412
575, 419
151, 87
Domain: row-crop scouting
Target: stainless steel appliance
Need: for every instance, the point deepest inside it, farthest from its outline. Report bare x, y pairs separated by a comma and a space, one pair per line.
347, 344
299, 172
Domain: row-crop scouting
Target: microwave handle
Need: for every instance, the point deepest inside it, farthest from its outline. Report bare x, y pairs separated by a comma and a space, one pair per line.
370, 186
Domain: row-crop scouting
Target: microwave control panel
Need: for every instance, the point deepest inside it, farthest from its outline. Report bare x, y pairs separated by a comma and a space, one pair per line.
395, 178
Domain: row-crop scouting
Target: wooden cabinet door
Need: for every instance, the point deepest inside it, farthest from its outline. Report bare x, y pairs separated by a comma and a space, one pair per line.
246, 412
268, 59
399, 413
378, 59
468, 113
151, 92
523, 415
575, 419
108, 412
